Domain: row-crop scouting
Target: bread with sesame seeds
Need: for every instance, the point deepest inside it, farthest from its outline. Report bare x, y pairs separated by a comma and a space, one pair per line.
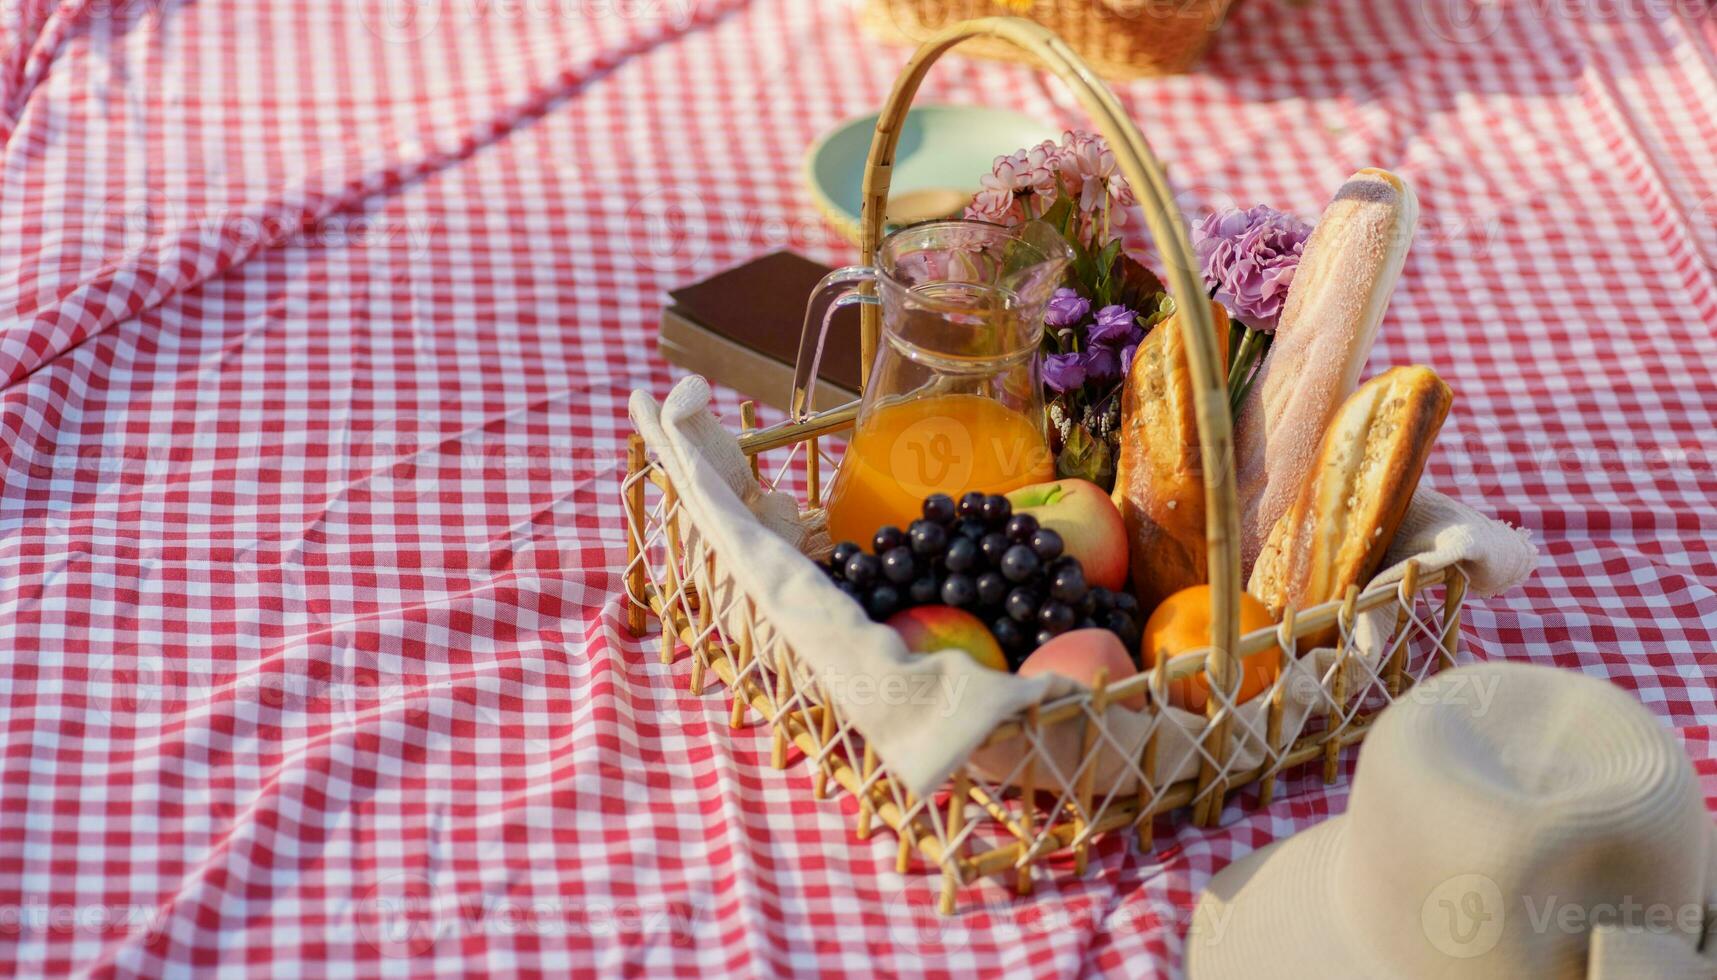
1339, 527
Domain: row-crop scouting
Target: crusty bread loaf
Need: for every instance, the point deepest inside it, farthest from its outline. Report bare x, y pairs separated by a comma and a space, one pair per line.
1159, 483
1340, 290
1345, 516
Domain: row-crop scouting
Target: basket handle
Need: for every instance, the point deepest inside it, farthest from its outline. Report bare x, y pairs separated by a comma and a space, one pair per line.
1168, 230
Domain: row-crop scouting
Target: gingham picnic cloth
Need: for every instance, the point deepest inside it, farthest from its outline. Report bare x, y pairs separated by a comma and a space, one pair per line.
317, 322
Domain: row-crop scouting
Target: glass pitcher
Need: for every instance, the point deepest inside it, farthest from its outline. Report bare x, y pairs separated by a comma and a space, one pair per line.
953, 402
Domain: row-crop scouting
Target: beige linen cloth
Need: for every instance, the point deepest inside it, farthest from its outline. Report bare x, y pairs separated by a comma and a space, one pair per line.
930, 720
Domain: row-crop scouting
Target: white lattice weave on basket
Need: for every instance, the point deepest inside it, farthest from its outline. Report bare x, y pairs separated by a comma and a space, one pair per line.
1055, 775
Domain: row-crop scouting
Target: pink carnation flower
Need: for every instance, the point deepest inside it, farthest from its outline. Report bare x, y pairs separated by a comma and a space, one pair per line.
996, 206
1022, 184
1090, 167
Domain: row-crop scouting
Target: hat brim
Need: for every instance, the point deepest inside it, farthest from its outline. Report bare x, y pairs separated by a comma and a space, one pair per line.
1276, 910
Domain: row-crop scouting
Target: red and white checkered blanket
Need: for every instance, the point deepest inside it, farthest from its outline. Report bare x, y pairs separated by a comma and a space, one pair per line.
317, 321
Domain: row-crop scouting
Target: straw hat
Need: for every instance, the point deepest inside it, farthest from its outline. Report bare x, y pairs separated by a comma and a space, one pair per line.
1505, 821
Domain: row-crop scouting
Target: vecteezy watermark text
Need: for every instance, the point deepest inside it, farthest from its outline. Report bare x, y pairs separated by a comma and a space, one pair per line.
407, 915
154, 221
406, 21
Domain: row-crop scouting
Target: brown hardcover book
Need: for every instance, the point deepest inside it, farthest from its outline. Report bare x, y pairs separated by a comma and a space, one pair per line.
740, 328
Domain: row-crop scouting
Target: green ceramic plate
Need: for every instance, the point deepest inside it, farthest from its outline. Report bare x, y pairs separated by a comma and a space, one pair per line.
943, 151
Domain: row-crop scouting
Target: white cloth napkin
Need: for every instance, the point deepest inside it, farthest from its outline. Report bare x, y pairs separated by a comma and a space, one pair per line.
924, 715
1436, 531
1439, 530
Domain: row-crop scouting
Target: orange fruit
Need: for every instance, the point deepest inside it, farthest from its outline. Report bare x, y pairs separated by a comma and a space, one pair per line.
1182, 623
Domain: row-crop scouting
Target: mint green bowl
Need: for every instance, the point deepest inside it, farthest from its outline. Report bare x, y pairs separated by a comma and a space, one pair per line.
943, 151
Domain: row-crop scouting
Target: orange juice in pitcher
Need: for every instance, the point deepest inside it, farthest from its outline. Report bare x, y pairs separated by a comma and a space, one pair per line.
952, 403
907, 450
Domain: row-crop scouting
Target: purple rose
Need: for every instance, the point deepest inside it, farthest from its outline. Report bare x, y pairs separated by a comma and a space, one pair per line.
1063, 372
1249, 258
1066, 308
1102, 363
1114, 325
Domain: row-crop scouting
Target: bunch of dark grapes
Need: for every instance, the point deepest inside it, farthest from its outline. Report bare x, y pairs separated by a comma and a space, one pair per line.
978, 555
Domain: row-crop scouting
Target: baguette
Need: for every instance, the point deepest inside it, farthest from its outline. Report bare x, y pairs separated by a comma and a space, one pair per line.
1338, 529
1335, 303
1159, 483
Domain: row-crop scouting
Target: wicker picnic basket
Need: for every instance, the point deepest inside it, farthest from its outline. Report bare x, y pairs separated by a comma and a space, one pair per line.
980, 823
1119, 38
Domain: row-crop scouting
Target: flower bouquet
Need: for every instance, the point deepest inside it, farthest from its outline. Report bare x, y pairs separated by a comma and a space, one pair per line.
1112, 300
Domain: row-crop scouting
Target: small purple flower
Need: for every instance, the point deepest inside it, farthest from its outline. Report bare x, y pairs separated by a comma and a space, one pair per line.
1114, 325
1066, 308
1102, 363
1127, 353
1063, 372
1249, 258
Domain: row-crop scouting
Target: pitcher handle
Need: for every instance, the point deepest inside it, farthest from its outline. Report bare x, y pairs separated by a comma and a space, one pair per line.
826, 298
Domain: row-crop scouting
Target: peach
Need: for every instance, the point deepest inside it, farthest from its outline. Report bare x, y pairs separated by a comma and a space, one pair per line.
1079, 654
1088, 523
930, 629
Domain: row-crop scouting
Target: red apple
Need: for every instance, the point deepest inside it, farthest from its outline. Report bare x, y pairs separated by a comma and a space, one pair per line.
1079, 655
929, 629
1088, 523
